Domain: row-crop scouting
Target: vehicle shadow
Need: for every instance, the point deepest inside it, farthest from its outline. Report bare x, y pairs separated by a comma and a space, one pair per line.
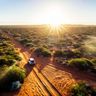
41, 62
28, 68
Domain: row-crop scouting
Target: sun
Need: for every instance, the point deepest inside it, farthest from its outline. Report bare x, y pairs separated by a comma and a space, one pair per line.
55, 23
54, 16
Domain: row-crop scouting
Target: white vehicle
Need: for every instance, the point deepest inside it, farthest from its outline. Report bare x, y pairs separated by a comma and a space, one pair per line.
32, 61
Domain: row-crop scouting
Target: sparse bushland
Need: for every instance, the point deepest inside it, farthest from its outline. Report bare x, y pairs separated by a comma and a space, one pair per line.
61, 60
6, 61
62, 57
8, 55
26, 42
68, 53
80, 63
73, 37
10, 74
13, 74
72, 41
82, 89
42, 52
59, 53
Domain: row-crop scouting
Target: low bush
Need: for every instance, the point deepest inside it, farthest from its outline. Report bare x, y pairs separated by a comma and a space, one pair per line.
82, 89
58, 53
80, 63
46, 53
67, 53
13, 55
14, 74
17, 57
4, 60
42, 51
9, 59
29, 44
61, 61
94, 61
77, 53
24, 41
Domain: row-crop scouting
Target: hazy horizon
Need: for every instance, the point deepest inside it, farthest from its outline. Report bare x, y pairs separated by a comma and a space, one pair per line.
37, 12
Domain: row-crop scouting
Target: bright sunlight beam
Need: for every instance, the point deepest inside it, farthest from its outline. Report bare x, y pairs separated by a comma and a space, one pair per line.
54, 15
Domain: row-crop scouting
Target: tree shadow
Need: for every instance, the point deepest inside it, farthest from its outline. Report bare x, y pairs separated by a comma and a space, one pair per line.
10, 93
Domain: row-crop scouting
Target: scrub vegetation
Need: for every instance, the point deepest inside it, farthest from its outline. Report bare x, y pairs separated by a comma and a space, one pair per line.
42, 52
9, 58
82, 89
71, 47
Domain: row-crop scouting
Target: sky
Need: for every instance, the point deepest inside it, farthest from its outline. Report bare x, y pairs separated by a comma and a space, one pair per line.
47, 11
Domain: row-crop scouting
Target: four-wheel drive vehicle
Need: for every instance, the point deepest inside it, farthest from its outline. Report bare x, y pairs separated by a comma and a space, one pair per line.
31, 61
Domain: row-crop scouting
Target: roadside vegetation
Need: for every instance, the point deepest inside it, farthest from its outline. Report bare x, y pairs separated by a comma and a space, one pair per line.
12, 79
42, 52
81, 63
82, 89
11, 76
68, 53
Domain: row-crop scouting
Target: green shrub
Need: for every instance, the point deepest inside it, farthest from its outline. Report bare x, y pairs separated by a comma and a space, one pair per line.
67, 53
1, 51
10, 62
46, 53
76, 53
60, 60
7, 60
82, 89
80, 63
94, 61
11, 54
94, 66
58, 53
17, 57
29, 44
42, 51
3, 61
14, 74
24, 41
